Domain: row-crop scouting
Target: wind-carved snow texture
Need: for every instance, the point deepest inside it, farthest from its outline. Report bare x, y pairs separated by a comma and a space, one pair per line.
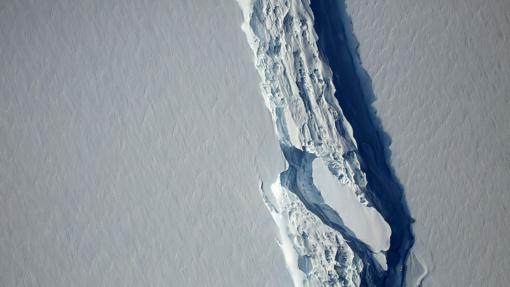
330, 236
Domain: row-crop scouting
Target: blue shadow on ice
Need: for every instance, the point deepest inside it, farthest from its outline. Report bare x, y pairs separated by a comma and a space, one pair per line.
338, 47
298, 178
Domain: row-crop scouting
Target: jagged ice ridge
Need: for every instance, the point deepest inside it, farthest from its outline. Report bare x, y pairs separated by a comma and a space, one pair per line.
320, 199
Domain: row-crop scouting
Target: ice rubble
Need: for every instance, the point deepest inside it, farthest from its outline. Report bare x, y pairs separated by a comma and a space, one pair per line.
324, 185
316, 255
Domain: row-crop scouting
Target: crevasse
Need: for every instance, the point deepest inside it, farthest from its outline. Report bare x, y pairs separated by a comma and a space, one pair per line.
329, 232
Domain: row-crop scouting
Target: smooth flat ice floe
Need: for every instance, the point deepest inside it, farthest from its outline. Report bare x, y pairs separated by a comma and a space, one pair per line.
298, 90
364, 221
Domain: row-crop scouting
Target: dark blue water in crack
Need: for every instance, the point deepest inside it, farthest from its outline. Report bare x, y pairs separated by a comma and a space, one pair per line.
338, 47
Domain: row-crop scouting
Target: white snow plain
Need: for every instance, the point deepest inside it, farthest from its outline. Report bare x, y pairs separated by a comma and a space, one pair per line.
440, 72
132, 141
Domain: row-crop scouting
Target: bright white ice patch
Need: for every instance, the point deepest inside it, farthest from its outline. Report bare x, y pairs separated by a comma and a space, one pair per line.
364, 221
290, 254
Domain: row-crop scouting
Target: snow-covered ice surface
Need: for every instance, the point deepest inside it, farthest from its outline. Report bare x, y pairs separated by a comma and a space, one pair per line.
440, 72
331, 220
132, 142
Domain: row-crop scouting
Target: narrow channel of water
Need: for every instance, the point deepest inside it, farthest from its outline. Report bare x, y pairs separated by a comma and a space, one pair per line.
337, 45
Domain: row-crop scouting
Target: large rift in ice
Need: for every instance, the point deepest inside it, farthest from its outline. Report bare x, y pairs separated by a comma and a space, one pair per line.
331, 232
